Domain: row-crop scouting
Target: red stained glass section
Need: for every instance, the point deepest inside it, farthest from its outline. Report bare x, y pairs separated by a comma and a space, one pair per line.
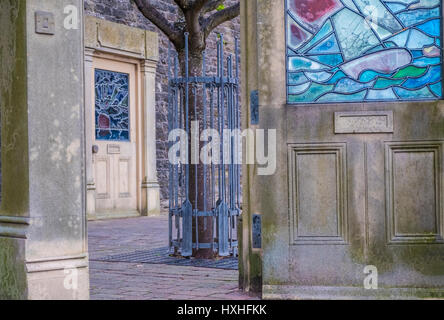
297, 33
314, 12
104, 122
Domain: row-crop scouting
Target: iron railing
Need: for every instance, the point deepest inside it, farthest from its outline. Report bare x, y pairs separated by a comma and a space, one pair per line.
217, 98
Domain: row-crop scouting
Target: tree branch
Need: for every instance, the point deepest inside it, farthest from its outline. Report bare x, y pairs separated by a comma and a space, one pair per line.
152, 14
197, 5
220, 17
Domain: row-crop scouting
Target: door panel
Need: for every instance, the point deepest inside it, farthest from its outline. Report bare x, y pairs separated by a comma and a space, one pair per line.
103, 178
413, 192
115, 104
124, 178
318, 172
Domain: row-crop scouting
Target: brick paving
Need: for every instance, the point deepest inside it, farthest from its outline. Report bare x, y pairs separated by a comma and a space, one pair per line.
134, 281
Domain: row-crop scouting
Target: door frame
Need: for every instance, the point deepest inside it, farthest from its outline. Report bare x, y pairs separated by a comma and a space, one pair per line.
136, 119
120, 43
89, 119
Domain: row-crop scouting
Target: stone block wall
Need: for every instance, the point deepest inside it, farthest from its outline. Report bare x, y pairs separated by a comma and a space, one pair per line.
125, 12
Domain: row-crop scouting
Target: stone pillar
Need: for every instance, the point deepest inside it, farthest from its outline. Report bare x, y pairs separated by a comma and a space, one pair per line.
250, 259
89, 132
43, 241
150, 184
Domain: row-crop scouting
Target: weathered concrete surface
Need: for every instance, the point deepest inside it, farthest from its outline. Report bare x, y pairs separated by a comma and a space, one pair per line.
131, 281
42, 219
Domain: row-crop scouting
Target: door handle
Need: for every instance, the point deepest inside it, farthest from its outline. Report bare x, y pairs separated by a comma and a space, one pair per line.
95, 149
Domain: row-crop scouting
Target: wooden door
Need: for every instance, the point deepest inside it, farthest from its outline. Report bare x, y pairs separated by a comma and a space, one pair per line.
115, 105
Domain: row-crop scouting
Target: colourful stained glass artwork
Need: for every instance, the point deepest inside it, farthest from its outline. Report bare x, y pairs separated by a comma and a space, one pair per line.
112, 105
363, 50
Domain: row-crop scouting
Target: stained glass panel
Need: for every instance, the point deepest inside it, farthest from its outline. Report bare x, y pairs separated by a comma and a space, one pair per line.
112, 105
363, 50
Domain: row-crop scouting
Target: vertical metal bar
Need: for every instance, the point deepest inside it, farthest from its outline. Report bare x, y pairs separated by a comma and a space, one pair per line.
238, 120
196, 168
222, 118
187, 125
219, 75
220, 107
205, 160
231, 165
213, 186
171, 184
187, 219
177, 101
230, 126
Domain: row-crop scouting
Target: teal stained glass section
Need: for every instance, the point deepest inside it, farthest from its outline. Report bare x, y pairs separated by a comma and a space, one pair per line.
363, 50
112, 105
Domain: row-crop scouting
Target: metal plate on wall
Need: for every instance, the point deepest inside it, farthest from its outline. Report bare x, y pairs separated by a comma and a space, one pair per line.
44, 23
364, 122
257, 231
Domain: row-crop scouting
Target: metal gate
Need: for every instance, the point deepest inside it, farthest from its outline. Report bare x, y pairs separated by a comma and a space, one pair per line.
217, 95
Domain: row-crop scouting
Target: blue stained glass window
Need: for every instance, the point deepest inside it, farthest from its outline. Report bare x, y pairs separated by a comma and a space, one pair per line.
363, 50
112, 105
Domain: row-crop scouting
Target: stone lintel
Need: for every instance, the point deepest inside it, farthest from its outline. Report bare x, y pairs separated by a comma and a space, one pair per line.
117, 38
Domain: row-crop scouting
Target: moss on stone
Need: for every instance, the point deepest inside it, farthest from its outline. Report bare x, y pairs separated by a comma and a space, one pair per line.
13, 100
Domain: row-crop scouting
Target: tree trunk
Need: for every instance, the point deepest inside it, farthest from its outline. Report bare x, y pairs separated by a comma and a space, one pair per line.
204, 225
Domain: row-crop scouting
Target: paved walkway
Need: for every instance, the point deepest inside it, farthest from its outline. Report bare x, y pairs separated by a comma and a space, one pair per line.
132, 281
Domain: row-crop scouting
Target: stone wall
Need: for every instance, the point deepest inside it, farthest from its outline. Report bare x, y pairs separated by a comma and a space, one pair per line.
125, 12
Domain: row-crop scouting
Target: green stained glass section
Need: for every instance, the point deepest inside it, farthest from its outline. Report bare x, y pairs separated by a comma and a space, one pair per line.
363, 50
410, 71
383, 83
